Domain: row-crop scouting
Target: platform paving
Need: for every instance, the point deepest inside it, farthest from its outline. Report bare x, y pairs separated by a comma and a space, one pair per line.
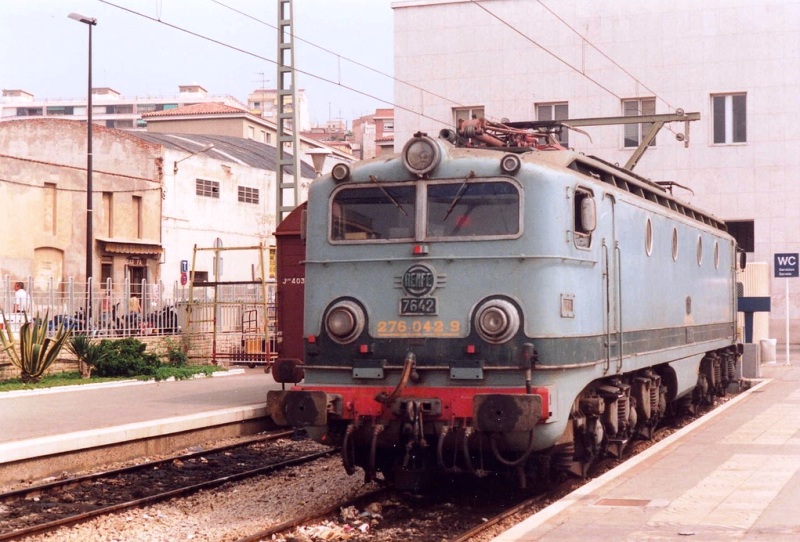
732, 475
57, 420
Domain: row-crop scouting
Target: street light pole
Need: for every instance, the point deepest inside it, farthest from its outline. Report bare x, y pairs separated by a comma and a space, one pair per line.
90, 22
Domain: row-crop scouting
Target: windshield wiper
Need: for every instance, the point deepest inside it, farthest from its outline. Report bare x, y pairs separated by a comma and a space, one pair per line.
388, 195
461, 190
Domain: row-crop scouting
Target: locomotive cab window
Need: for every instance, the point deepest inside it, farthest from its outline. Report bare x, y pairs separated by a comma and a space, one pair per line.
585, 214
473, 209
373, 213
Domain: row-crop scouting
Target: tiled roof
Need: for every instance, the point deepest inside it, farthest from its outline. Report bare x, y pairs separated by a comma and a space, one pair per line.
384, 139
208, 108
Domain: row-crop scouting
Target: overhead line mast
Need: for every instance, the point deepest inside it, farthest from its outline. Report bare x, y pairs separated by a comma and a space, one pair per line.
288, 189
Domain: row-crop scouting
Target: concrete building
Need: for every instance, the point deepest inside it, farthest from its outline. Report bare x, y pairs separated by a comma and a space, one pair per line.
109, 108
264, 103
734, 62
221, 119
155, 196
43, 202
374, 134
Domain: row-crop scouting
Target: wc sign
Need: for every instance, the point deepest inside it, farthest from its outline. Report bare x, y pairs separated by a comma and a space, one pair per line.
786, 265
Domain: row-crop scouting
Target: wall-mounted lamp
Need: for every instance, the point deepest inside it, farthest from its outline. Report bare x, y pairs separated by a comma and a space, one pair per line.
205, 148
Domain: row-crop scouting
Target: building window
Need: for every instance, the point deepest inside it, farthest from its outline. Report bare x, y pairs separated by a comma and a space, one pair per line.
730, 118
634, 133
108, 213
555, 111
122, 124
466, 113
29, 111
388, 126
206, 188
137, 216
248, 195
60, 110
145, 108
106, 274
251, 132
50, 208
744, 233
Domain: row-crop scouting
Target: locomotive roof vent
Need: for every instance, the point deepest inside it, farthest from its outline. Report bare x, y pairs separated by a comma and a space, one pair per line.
421, 154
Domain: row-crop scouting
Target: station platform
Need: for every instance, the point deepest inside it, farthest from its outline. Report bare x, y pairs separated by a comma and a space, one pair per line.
59, 421
732, 475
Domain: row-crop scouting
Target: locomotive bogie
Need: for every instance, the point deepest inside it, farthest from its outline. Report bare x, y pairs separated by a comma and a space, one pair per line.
504, 310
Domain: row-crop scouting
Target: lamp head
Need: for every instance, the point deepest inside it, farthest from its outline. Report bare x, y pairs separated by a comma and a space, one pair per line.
83, 18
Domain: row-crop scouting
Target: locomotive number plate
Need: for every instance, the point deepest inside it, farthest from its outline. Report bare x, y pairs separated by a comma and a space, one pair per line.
411, 306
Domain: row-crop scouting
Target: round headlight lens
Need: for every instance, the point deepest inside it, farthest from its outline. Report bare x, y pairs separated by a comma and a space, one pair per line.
421, 155
340, 172
496, 321
510, 163
345, 321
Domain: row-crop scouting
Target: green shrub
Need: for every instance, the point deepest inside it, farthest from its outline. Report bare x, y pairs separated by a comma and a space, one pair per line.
176, 354
125, 357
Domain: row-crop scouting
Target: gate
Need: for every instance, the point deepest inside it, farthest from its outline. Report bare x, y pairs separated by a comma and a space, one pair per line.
239, 315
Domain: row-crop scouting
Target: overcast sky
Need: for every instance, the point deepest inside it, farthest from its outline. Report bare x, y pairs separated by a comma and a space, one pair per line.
44, 52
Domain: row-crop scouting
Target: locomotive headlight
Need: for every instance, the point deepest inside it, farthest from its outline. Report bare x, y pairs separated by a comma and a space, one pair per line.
340, 172
496, 321
510, 164
421, 154
345, 321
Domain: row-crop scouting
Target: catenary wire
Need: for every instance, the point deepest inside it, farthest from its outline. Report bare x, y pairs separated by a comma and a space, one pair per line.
614, 62
250, 53
546, 50
355, 62
353, 89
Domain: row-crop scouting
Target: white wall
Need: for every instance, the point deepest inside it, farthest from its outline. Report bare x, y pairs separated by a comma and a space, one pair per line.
679, 51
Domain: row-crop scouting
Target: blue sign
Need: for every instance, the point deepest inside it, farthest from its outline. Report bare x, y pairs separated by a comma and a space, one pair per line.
786, 265
184, 266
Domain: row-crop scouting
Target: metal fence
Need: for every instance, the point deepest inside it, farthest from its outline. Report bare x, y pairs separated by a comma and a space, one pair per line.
111, 309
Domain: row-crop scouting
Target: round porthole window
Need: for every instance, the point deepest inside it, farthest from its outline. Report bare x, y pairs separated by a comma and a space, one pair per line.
648, 237
699, 250
675, 244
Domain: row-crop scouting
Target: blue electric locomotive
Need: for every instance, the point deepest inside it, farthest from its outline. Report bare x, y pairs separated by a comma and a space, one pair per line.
490, 301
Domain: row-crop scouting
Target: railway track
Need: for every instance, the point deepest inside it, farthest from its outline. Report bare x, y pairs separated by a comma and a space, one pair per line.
474, 512
32, 510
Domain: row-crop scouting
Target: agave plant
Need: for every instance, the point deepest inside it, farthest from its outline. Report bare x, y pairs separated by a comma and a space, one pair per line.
36, 351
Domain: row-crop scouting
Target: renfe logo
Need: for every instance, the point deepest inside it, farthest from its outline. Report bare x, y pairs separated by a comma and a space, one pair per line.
786, 265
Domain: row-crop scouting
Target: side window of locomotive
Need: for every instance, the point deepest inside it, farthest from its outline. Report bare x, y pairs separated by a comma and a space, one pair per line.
473, 209
373, 213
585, 214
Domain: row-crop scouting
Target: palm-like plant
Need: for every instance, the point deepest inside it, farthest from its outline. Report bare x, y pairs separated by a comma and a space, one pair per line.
89, 354
37, 351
